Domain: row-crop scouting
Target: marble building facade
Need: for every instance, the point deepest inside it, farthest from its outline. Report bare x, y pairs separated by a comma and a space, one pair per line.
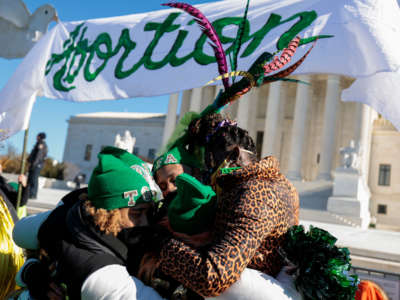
89, 133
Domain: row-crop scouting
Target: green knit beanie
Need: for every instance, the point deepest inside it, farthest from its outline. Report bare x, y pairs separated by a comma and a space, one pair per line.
135, 163
192, 211
177, 155
117, 181
125, 156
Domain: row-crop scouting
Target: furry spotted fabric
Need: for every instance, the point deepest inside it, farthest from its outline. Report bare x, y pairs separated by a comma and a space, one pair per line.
256, 208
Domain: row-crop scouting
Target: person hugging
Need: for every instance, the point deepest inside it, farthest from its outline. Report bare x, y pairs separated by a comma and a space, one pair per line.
190, 204
82, 237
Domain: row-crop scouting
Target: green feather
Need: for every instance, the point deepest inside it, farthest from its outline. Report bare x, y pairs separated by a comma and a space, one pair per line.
237, 44
256, 68
179, 135
231, 61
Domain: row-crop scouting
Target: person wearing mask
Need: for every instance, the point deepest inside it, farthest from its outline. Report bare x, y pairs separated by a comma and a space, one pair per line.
191, 210
256, 205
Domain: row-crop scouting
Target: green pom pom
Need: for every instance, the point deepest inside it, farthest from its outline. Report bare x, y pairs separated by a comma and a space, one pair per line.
322, 268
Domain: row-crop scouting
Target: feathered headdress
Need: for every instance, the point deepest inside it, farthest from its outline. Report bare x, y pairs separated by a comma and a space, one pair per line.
261, 71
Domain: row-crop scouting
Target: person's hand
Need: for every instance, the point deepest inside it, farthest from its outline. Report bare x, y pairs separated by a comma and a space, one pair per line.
147, 267
22, 179
196, 240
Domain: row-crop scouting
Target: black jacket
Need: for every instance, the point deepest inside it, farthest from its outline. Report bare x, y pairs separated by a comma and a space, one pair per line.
38, 155
80, 249
76, 245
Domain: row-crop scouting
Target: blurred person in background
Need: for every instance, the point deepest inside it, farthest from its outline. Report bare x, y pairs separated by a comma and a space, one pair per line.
36, 163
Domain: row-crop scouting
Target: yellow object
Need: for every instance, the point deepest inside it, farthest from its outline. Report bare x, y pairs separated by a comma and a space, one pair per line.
217, 189
11, 256
248, 75
21, 212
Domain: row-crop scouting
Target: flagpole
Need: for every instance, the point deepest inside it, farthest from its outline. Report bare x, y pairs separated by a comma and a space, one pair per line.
23, 165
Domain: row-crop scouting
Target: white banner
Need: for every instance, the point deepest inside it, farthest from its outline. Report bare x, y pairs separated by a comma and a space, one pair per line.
165, 52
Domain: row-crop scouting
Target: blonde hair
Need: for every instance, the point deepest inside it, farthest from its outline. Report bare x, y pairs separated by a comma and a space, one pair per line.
107, 221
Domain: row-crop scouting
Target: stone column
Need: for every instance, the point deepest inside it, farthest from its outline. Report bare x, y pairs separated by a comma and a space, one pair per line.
254, 96
207, 96
298, 129
363, 118
367, 117
243, 111
195, 100
185, 103
332, 99
271, 119
170, 119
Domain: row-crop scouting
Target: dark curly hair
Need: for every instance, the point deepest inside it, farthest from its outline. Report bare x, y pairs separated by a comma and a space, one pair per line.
207, 132
200, 129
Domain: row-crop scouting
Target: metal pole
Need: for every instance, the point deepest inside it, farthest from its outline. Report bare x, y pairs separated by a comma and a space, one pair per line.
23, 163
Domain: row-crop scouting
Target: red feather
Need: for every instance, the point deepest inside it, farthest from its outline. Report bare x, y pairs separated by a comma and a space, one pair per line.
289, 70
242, 87
287, 54
209, 30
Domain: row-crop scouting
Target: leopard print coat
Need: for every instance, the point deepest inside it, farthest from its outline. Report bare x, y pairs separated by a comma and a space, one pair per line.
256, 208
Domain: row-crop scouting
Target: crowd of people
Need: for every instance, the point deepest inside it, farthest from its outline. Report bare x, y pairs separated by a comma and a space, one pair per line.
219, 231
218, 228
227, 226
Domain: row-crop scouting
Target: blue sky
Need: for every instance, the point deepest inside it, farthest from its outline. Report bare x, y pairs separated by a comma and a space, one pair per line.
51, 115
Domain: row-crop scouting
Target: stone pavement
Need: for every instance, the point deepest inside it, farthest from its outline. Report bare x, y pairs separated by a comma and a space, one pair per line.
47, 199
314, 194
